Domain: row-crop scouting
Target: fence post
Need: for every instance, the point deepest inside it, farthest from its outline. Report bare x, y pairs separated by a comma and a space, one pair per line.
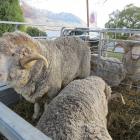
104, 44
100, 45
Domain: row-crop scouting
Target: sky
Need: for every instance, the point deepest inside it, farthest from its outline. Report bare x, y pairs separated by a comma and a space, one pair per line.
78, 7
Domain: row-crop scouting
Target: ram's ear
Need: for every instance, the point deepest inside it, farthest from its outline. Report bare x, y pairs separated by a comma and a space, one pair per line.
32, 57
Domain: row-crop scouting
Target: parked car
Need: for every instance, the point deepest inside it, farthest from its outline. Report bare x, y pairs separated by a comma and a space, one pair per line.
85, 34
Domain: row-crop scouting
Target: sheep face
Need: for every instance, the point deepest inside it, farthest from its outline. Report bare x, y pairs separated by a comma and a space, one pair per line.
131, 62
18, 54
11, 72
131, 58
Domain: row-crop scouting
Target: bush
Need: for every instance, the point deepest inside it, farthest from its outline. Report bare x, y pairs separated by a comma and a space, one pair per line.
10, 10
32, 31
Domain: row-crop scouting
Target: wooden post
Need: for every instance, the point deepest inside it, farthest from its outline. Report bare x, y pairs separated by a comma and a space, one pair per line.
87, 7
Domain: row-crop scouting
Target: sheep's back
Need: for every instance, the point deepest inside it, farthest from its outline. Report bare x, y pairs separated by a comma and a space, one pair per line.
79, 103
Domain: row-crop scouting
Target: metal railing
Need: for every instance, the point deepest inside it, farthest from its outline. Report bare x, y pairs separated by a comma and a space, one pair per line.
55, 28
13, 127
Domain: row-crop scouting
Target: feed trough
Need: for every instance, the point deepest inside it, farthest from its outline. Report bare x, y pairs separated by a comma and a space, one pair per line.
7, 95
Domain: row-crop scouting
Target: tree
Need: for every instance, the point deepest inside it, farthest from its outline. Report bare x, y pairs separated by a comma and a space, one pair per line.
32, 31
10, 10
129, 17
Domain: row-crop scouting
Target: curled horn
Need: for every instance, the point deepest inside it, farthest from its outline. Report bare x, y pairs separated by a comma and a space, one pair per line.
24, 61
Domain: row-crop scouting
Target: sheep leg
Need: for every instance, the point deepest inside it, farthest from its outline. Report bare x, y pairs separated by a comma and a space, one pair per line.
45, 106
36, 114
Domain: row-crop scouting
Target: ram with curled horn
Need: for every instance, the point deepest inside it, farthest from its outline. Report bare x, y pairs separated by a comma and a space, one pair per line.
131, 60
24, 61
38, 69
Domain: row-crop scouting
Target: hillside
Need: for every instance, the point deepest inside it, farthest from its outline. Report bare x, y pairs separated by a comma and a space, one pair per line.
34, 15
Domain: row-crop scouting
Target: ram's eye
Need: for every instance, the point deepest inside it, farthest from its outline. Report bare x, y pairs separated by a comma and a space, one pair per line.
13, 54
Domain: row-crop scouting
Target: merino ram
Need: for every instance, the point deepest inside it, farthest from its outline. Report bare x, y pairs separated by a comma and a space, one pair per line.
78, 112
131, 59
109, 68
38, 70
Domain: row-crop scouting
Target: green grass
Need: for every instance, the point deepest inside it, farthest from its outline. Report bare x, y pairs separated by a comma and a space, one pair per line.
118, 55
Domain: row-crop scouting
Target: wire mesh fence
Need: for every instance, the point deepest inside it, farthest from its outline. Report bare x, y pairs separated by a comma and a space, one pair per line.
108, 48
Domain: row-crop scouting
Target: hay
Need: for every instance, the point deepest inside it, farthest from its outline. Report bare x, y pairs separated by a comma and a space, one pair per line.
24, 109
124, 120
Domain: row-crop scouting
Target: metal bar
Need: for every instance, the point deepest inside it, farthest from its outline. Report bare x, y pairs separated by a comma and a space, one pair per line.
100, 45
14, 127
87, 6
121, 40
120, 30
31, 24
110, 30
4, 87
24, 23
107, 30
